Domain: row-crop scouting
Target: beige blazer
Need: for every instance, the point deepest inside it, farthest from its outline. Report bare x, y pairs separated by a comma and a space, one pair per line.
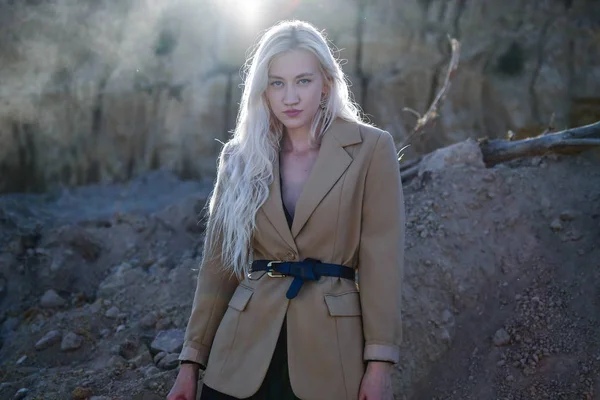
350, 212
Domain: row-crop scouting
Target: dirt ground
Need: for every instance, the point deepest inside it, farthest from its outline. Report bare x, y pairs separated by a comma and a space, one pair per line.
501, 294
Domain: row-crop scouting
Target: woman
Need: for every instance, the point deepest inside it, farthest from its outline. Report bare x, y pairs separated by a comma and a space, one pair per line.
306, 194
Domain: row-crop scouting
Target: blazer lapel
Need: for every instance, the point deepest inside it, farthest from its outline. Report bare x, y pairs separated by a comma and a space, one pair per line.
330, 165
273, 208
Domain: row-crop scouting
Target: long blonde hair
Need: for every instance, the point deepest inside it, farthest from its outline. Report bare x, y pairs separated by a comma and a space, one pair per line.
245, 165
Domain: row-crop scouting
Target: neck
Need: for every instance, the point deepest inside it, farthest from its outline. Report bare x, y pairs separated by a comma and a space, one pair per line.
296, 140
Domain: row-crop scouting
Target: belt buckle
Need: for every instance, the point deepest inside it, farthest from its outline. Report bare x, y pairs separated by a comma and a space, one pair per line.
274, 274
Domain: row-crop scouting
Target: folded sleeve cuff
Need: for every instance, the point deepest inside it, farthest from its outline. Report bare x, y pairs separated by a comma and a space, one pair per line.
194, 352
382, 352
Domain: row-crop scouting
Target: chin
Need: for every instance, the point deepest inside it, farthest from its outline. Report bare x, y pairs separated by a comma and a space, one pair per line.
296, 123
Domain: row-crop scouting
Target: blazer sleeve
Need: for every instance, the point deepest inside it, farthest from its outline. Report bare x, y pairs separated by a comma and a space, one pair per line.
214, 289
381, 254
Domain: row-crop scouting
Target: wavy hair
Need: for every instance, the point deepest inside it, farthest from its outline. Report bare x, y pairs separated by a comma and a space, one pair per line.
245, 164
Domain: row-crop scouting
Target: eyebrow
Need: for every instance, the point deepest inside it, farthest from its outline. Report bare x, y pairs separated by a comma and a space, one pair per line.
297, 77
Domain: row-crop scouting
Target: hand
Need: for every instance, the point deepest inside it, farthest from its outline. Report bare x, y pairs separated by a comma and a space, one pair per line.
186, 384
377, 382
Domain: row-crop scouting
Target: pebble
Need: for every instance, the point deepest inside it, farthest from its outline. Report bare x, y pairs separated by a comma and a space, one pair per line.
112, 312
71, 341
10, 324
81, 393
48, 340
128, 349
51, 299
148, 321
95, 307
170, 361
150, 371
21, 360
501, 337
164, 324
143, 359
159, 357
555, 225
21, 393
444, 335
116, 361
567, 215
447, 317
105, 332
169, 341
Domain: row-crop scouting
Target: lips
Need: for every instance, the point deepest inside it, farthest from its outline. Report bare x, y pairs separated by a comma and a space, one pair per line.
292, 113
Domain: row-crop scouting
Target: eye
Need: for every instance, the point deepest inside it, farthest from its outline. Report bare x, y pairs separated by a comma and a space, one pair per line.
304, 81
276, 83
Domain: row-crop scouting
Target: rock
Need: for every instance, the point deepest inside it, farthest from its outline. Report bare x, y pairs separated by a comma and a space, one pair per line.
114, 350
81, 393
96, 306
462, 153
567, 215
170, 361
142, 359
71, 341
120, 328
21, 393
128, 349
21, 360
444, 335
116, 361
48, 340
164, 324
51, 299
501, 337
150, 371
112, 312
10, 324
169, 341
104, 333
149, 320
100, 398
447, 317
159, 357
555, 225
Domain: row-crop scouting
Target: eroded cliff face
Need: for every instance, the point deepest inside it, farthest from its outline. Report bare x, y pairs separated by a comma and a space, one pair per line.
103, 92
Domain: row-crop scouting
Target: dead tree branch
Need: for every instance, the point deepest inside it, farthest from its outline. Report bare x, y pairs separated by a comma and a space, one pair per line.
432, 113
568, 141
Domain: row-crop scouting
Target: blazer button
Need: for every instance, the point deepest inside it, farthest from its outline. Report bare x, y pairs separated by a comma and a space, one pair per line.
290, 256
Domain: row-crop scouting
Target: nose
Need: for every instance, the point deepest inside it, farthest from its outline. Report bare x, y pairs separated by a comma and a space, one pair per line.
290, 96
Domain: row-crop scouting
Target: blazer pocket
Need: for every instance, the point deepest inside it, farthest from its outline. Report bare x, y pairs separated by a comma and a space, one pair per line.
344, 304
240, 298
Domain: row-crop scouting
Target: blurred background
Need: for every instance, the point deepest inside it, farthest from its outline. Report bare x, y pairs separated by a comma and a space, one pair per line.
103, 91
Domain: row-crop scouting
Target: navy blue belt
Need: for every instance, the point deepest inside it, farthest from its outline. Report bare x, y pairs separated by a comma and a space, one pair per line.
302, 271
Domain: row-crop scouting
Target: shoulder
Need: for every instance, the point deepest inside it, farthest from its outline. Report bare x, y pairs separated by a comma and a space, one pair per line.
374, 138
358, 132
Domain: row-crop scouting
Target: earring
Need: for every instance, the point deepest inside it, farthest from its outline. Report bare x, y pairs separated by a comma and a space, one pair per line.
323, 103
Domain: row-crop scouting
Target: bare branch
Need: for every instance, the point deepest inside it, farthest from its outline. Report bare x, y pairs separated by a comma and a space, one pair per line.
409, 173
412, 111
432, 112
410, 163
570, 140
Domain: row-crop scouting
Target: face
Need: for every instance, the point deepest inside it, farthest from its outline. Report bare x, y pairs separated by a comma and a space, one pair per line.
295, 88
